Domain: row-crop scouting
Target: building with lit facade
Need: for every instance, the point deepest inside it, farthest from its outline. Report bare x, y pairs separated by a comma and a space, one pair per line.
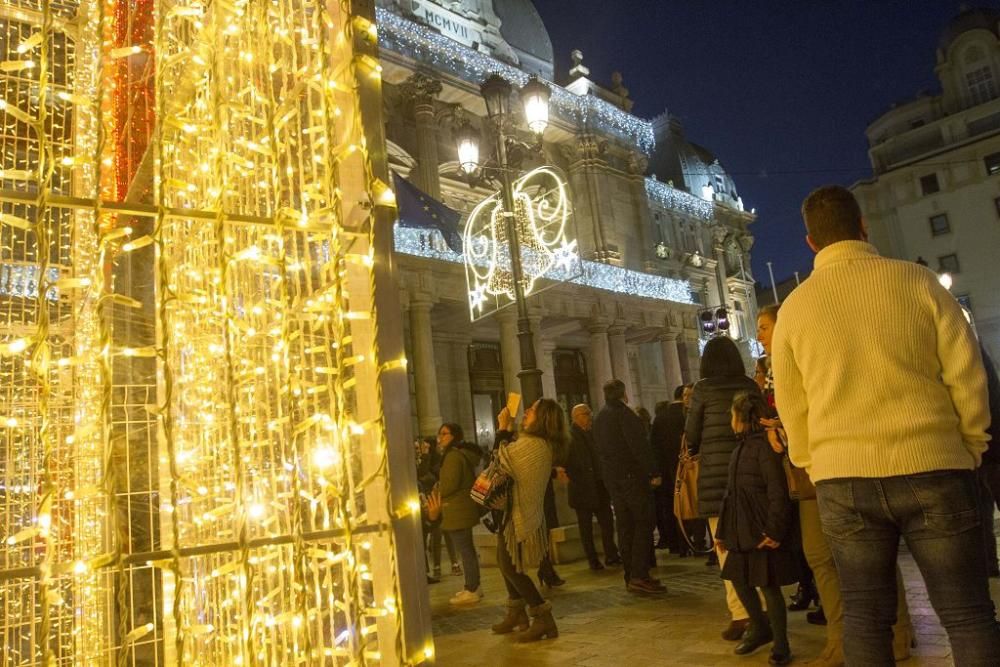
661, 228
934, 196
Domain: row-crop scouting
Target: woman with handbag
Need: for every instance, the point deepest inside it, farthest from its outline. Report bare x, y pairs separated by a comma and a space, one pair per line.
709, 434
817, 550
460, 512
522, 541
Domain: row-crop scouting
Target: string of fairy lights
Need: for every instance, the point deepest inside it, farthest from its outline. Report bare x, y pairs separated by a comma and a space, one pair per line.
195, 465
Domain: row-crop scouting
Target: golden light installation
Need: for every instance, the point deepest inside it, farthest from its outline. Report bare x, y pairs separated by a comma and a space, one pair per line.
194, 462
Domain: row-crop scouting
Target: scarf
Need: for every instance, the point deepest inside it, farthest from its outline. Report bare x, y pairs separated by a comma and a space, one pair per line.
528, 461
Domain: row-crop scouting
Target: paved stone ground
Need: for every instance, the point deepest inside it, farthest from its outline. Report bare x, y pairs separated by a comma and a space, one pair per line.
602, 625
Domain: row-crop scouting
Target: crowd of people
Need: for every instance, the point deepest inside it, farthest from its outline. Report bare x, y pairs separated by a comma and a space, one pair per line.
867, 422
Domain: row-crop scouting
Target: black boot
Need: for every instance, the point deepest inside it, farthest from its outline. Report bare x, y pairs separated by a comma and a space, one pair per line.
755, 637
804, 597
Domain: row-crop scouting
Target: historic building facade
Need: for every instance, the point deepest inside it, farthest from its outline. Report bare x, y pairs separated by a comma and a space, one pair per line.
661, 228
935, 193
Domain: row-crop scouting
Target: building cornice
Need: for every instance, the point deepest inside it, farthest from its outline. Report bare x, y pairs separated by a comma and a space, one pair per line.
411, 39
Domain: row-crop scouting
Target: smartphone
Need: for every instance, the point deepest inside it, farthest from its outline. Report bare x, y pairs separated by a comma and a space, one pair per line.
513, 401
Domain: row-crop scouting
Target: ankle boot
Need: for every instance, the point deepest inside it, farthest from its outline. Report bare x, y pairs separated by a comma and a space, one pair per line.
756, 636
516, 618
542, 624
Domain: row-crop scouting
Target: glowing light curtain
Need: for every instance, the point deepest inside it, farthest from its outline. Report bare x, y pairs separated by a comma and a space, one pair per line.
194, 462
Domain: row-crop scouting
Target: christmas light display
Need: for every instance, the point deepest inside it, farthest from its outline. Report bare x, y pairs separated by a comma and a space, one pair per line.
195, 462
430, 244
425, 45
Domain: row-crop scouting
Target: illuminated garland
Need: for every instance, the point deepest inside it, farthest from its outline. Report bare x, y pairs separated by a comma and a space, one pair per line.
430, 244
427, 46
678, 200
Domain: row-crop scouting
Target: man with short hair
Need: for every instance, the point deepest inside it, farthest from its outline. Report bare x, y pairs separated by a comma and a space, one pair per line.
883, 396
587, 494
630, 472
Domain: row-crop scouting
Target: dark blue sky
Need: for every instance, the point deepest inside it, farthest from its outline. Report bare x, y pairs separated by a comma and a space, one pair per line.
780, 90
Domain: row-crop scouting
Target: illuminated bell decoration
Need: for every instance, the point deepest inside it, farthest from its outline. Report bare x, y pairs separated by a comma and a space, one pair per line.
468, 147
496, 91
535, 98
542, 213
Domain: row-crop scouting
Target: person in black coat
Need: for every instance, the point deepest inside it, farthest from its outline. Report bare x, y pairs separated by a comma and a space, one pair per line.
665, 438
709, 433
757, 530
630, 473
587, 494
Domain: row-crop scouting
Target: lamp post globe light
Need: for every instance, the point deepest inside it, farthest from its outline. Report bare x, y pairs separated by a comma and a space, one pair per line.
509, 153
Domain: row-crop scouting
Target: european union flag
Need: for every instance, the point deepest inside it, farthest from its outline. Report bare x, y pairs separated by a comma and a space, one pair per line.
419, 209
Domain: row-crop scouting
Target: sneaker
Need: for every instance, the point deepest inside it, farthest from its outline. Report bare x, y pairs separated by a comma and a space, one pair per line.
456, 570
645, 586
464, 597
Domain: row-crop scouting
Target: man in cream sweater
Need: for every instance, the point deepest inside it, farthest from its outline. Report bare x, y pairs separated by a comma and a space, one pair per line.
882, 391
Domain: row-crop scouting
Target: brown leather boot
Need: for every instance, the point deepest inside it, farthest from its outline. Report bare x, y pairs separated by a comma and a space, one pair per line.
516, 618
542, 624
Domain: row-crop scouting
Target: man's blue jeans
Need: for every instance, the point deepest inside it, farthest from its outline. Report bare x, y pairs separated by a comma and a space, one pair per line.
937, 513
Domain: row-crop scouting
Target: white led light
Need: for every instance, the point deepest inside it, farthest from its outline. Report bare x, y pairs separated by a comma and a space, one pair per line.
423, 44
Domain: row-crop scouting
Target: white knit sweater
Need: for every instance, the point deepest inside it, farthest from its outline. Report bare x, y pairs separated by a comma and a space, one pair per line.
876, 371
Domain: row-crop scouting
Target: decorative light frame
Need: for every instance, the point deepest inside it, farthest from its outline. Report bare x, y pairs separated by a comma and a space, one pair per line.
541, 217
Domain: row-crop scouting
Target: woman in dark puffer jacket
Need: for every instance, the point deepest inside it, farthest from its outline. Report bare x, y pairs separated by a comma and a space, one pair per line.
709, 433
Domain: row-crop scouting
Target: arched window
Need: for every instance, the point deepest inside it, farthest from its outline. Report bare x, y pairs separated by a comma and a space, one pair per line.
981, 85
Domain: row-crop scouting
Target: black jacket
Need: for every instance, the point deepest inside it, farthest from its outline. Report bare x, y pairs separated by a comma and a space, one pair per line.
586, 488
756, 502
709, 433
665, 439
623, 445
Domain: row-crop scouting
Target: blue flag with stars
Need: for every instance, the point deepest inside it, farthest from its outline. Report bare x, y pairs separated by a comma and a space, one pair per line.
418, 209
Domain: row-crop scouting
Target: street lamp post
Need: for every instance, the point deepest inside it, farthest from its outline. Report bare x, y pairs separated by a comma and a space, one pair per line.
496, 92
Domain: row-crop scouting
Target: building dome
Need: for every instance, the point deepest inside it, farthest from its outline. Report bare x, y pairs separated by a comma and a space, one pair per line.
979, 18
522, 28
687, 165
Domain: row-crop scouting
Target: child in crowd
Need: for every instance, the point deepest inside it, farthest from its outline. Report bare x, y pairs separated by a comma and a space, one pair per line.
756, 528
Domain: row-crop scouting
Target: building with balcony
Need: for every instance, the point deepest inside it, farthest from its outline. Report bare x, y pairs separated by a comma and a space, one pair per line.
934, 196
661, 228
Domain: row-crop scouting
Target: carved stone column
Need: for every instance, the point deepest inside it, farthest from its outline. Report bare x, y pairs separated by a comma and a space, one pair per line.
718, 237
599, 369
619, 359
671, 359
424, 367
637, 165
421, 90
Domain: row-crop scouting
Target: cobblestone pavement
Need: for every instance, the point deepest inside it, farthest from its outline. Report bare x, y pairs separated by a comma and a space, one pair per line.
602, 625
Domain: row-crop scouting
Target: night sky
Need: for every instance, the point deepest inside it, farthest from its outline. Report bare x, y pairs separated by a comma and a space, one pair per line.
780, 90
